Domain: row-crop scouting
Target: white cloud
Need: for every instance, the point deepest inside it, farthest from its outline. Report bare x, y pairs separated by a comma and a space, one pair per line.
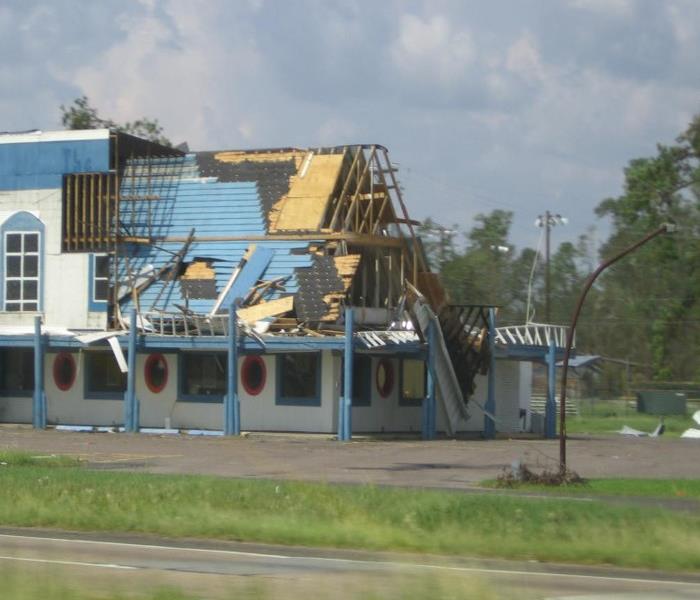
523, 58
177, 72
432, 49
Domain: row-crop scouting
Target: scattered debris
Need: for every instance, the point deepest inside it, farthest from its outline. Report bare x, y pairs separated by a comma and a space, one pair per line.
692, 432
519, 473
629, 431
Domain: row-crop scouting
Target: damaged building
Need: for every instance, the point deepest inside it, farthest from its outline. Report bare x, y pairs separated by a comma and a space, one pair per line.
268, 290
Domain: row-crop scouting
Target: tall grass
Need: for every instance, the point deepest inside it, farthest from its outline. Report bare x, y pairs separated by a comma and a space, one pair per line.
348, 517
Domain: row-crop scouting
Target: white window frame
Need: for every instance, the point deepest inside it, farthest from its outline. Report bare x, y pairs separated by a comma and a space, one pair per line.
96, 278
22, 278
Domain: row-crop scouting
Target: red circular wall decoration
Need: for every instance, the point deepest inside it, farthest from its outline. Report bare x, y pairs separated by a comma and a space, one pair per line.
156, 373
64, 371
385, 377
253, 374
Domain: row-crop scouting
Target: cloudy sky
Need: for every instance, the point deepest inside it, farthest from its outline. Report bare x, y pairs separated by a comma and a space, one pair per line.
524, 105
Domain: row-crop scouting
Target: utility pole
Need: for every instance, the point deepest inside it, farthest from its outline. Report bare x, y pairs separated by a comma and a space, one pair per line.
547, 274
548, 220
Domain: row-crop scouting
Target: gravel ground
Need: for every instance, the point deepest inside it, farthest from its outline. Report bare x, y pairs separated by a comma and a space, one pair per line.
439, 464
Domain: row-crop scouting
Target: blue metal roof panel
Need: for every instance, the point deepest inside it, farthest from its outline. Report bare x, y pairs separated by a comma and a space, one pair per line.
213, 209
228, 256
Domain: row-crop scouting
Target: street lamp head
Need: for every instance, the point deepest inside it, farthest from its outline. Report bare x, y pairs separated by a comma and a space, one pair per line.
551, 220
670, 227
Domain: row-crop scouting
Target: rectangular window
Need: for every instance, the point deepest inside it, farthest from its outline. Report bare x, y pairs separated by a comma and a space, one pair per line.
22, 271
361, 380
100, 278
17, 372
103, 378
413, 382
202, 377
299, 379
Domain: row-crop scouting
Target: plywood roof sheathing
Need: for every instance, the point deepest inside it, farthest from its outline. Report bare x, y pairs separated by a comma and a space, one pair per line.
237, 156
309, 195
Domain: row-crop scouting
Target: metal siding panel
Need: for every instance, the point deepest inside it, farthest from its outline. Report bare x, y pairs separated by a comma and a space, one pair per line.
41, 165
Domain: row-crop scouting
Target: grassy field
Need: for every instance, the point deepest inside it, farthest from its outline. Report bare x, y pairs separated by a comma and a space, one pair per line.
656, 488
346, 516
608, 416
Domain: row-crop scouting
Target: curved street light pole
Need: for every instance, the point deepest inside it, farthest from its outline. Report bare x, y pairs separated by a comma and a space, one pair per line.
665, 228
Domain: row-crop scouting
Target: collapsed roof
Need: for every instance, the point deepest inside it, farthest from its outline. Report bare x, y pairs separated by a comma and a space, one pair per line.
290, 234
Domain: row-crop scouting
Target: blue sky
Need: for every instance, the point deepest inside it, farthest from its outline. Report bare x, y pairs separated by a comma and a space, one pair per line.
523, 105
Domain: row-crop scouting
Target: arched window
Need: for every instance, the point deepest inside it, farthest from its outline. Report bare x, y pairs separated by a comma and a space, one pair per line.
22, 253
156, 373
253, 374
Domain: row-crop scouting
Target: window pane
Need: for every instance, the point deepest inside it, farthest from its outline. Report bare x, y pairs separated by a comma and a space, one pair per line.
413, 383
103, 374
30, 290
102, 266
17, 371
299, 373
361, 380
14, 242
31, 242
14, 266
204, 375
30, 306
13, 306
101, 289
13, 290
31, 266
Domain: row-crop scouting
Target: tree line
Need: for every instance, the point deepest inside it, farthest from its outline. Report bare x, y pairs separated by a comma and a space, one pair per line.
645, 309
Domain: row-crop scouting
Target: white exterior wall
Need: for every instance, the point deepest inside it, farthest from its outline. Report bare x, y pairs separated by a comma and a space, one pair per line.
258, 413
65, 276
513, 383
261, 413
16, 410
385, 414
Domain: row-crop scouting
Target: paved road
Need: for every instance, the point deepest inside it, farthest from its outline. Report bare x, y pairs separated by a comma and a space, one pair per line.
214, 568
442, 463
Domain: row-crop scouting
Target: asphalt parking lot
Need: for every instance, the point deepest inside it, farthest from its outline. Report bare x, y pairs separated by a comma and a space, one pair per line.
452, 464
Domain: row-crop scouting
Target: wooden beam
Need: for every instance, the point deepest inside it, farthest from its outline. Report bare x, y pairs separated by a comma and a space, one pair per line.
353, 203
272, 308
344, 191
350, 237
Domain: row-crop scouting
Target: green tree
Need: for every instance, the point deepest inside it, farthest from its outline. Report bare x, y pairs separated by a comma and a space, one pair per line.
80, 115
486, 272
438, 242
648, 305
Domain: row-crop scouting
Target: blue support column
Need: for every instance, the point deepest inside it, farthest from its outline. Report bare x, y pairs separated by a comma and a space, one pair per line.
489, 425
346, 420
39, 404
550, 411
429, 405
131, 404
232, 407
